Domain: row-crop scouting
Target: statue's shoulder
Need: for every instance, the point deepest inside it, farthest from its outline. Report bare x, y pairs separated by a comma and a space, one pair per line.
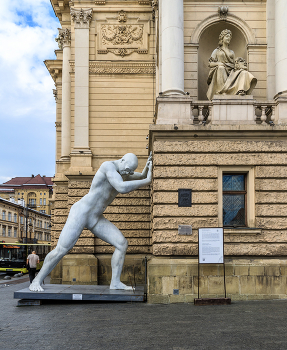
107, 166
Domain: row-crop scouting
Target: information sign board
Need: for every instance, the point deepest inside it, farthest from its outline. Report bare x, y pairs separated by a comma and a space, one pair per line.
210, 245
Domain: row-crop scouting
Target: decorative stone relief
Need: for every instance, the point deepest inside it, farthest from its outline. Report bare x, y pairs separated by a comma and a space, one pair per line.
223, 11
81, 17
64, 38
102, 2
58, 124
144, 2
55, 93
122, 68
123, 35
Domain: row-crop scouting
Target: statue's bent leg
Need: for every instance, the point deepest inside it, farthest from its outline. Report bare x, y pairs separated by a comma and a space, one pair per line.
109, 233
67, 240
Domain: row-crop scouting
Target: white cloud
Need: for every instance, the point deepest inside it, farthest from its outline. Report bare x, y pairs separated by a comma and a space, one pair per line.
27, 35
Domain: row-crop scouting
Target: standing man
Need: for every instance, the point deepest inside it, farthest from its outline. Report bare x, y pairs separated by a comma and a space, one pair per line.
32, 260
113, 177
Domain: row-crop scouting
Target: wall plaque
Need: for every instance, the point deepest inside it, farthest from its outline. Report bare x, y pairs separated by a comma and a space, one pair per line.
185, 230
184, 197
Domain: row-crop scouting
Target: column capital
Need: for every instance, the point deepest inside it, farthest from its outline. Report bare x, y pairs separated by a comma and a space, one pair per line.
82, 17
64, 38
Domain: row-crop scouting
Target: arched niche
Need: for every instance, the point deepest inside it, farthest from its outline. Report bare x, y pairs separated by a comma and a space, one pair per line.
208, 42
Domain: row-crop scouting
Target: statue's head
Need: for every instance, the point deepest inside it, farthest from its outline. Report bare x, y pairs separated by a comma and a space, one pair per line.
225, 35
240, 63
128, 164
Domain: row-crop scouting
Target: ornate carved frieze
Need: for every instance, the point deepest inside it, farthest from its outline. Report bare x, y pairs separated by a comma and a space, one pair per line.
97, 67
123, 35
64, 38
58, 124
122, 68
144, 2
81, 17
223, 11
102, 2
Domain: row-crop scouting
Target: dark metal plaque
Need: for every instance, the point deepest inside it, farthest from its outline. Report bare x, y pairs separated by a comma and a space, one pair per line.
185, 230
184, 197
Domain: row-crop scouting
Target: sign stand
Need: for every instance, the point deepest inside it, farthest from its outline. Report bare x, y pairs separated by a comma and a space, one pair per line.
211, 251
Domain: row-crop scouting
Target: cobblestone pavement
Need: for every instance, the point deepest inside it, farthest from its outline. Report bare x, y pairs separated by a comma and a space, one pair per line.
103, 326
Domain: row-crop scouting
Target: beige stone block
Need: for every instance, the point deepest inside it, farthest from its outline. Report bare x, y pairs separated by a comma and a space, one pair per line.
129, 217
270, 197
179, 270
241, 270
249, 159
189, 298
247, 285
192, 270
270, 171
130, 201
176, 298
78, 192
232, 285
159, 270
270, 184
215, 285
203, 285
209, 270
155, 285
169, 283
256, 271
222, 146
79, 184
195, 210
272, 271
263, 284
271, 209
185, 172
175, 249
157, 299
128, 209
175, 184
185, 285
283, 270
172, 223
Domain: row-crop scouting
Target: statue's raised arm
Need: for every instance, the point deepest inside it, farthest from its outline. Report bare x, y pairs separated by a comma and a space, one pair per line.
227, 75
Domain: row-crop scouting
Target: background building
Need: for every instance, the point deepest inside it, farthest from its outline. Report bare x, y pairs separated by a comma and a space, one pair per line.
128, 71
36, 191
13, 224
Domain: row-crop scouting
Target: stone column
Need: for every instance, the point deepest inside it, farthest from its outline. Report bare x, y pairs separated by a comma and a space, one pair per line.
64, 42
172, 47
270, 18
81, 18
280, 45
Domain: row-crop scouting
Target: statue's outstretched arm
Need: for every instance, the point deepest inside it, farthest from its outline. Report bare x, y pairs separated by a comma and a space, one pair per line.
121, 186
143, 174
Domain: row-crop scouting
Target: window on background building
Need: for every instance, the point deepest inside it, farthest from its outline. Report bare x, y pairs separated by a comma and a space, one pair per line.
40, 194
234, 200
4, 231
15, 217
43, 211
44, 194
41, 224
18, 193
9, 231
15, 232
22, 220
9, 216
3, 215
40, 201
44, 201
32, 201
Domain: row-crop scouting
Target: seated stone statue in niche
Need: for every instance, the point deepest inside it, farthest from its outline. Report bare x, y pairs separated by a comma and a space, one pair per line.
227, 75
113, 177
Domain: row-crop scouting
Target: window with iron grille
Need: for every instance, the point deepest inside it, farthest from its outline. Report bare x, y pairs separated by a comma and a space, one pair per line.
234, 200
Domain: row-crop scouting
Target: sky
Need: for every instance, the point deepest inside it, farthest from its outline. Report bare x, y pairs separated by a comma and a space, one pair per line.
28, 29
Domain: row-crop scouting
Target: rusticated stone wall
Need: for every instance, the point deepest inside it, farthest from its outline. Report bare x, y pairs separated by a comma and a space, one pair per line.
191, 157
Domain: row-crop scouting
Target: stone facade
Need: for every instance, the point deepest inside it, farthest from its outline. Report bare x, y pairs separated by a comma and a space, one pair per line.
130, 71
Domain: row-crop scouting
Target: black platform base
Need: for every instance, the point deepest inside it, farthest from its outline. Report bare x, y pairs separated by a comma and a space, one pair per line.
80, 292
212, 301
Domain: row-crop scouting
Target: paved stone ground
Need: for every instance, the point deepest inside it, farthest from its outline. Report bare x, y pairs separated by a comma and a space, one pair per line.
103, 326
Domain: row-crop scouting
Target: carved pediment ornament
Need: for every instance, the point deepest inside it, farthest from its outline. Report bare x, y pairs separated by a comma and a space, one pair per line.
223, 11
81, 17
64, 38
55, 93
122, 35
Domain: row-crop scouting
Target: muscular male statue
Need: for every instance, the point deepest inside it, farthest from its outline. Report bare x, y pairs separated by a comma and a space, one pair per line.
113, 177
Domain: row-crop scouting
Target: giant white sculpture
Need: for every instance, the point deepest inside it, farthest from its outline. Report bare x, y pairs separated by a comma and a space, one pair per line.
227, 75
113, 177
